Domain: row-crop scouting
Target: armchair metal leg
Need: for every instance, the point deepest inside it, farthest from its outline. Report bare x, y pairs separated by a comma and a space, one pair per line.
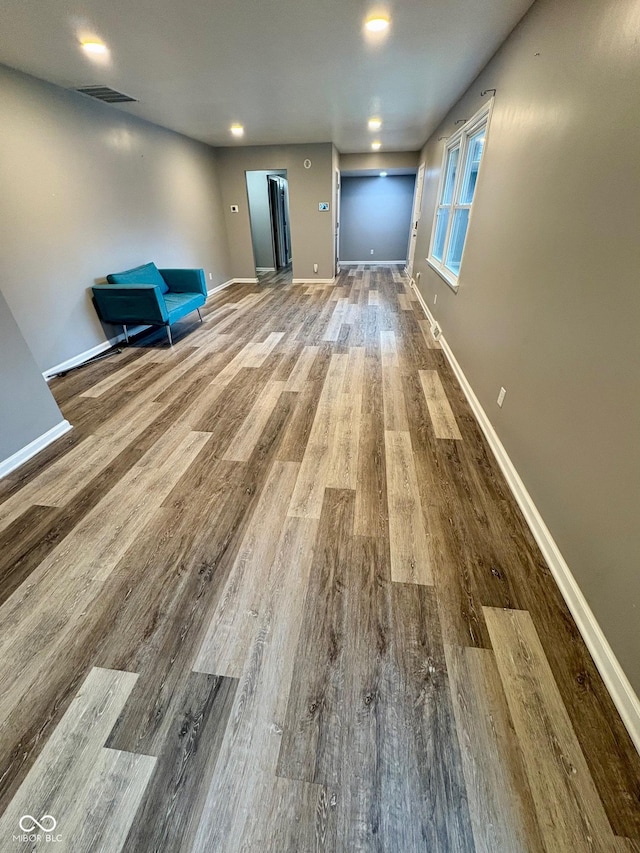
169, 336
199, 314
126, 334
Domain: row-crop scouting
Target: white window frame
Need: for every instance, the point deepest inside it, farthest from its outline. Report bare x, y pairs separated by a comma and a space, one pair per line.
461, 138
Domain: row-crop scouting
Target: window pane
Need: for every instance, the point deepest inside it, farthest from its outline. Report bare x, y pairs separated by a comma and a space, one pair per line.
475, 147
450, 175
441, 232
456, 243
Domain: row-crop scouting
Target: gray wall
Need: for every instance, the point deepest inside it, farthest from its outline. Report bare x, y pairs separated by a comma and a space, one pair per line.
86, 190
27, 407
379, 160
549, 301
311, 230
375, 213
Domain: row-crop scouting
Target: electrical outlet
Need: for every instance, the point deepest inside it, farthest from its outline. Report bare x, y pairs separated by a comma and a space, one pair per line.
315, 267
372, 251
503, 391
436, 331
435, 299
210, 276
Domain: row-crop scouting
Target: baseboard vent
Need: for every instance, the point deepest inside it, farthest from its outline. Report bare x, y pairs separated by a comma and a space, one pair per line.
104, 93
436, 331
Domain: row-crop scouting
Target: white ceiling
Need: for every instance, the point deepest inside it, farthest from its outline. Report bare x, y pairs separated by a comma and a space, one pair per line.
288, 70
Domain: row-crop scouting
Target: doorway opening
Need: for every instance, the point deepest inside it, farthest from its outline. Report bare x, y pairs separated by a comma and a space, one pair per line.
375, 210
415, 219
268, 195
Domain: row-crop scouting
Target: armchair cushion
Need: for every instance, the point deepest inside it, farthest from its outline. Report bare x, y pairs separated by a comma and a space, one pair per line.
145, 274
180, 304
185, 281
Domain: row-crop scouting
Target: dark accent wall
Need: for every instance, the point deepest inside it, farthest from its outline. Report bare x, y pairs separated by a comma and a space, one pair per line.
375, 213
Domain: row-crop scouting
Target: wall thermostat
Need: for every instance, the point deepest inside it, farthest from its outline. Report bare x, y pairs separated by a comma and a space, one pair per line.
307, 164
234, 208
323, 205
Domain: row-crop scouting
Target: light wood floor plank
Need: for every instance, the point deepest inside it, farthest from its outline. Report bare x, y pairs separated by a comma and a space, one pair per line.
238, 800
315, 714
444, 422
232, 628
308, 494
293, 817
300, 373
503, 816
570, 813
257, 354
343, 462
244, 443
108, 804
337, 319
409, 551
405, 303
92, 793
395, 412
371, 514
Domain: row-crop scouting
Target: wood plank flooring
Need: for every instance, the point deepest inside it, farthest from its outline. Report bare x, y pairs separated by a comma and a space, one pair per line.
272, 594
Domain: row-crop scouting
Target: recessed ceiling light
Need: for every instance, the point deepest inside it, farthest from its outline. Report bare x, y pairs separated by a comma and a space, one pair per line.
237, 130
375, 123
376, 146
383, 174
377, 24
96, 48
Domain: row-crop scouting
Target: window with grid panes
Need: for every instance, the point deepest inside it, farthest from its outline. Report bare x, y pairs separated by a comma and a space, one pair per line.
461, 164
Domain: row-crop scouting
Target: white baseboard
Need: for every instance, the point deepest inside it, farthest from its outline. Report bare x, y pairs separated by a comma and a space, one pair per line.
221, 286
423, 304
265, 269
245, 281
313, 280
75, 360
617, 683
17, 459
370, 263
81, 357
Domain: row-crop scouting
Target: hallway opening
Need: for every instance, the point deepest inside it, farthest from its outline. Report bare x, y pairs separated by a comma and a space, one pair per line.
268, 196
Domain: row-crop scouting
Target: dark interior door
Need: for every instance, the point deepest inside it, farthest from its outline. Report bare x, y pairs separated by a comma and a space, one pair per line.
277, 205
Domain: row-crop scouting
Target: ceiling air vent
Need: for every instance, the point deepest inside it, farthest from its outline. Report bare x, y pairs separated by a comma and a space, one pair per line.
104, 93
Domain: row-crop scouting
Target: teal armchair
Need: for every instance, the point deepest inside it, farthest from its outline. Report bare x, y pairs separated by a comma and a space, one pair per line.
148, 296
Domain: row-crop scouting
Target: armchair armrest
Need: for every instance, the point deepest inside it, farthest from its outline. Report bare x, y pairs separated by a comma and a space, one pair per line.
130, 303
185, 281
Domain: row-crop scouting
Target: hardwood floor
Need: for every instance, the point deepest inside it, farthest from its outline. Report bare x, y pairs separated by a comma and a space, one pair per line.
272, 594
281, 276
